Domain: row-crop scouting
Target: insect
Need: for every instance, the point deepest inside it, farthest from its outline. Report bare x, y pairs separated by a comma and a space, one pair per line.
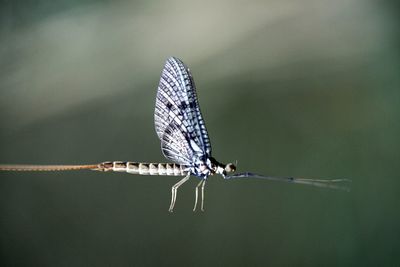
184, 141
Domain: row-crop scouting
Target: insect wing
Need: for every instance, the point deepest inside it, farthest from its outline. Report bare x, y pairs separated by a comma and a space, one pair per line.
175, 146
178, 120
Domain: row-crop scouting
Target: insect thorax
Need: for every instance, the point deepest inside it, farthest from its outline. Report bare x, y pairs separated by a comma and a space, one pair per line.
204, 167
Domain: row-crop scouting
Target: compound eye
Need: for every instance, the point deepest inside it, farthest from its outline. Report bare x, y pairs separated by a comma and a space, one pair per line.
230, 167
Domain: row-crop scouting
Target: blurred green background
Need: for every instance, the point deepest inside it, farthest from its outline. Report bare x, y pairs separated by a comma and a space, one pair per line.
288, 88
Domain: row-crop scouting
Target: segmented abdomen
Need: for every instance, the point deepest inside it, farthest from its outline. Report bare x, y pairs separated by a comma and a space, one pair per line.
170, 169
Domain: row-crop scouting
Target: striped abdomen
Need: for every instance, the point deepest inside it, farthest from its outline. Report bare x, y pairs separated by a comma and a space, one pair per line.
143, 168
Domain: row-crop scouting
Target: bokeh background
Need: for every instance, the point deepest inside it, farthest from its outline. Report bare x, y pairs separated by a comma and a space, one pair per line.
288, 88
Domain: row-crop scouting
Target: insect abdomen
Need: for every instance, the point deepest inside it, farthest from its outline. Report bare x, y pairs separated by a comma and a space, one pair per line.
170, 169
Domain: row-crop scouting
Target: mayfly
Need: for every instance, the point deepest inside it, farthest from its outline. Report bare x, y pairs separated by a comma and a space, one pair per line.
184, 141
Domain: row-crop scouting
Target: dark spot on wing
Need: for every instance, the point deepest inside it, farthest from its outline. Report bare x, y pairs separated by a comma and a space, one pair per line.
183, 105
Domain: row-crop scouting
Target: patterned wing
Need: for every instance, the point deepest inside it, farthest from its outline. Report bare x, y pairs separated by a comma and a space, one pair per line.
178, 121
175, 146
